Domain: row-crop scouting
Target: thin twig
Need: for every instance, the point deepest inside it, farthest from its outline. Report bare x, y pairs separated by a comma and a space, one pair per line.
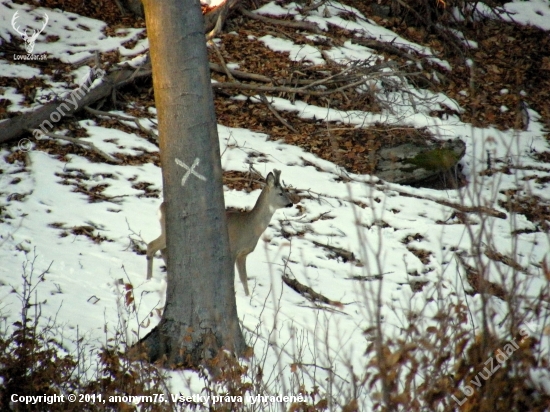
120, 7
219, 22
314, 6
222, 60
88, 145
308, 292
382, 186
342, 76
122, 117
240, 74
461, 208
108, 114
430, 25
295, 90
276, 113
322, 81
303, 25
385, 47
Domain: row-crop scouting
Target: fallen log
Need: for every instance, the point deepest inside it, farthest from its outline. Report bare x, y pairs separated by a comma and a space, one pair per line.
42, 118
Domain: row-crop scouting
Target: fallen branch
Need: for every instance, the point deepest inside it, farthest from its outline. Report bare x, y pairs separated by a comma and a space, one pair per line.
461, 208
240, 74
276, 113
215, 18
285, 89
221, 59
88, 145
391, 49
302, 25
384, 47
367, 278
308, 293
14, 127
351, 76
478, 283
222, 13
122, 118
379, 184
472, 209
343, 76
508, 261
314, 6
336, 252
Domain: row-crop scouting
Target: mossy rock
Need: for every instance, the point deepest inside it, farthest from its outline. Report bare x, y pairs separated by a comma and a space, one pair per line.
413, 163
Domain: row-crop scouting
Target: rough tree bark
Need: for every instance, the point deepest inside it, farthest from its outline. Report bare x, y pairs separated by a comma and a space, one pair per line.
200, 316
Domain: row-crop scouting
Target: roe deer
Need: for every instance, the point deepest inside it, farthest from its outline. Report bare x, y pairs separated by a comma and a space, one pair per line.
244, 228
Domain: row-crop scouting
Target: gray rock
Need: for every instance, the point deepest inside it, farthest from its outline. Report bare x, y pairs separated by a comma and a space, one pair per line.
412, 163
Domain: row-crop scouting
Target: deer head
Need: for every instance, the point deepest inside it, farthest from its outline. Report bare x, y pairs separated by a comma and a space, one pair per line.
29, 39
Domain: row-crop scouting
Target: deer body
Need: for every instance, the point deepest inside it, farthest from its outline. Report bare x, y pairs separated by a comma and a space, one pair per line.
244, 228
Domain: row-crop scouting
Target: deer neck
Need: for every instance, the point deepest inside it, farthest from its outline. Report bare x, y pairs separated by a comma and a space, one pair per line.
261, 214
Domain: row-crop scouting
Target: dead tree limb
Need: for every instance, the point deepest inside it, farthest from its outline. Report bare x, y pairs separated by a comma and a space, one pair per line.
473, 209
221, 59
314, 6
391, 49
477, 281
14, 127
222, 15
122, 118
485, 210
296, 90
240, 74
385, 47
215, 18
88, 145
308, 292
264, 100
301, 25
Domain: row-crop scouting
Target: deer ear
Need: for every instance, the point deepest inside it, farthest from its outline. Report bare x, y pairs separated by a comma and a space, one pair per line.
270, 179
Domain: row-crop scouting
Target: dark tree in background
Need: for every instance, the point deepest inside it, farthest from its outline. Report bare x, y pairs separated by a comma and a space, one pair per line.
200, 316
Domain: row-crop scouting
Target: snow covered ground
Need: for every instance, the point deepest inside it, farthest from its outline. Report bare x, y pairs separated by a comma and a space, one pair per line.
360, 214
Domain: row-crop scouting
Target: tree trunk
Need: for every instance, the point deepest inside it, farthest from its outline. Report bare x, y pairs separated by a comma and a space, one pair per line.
200, 316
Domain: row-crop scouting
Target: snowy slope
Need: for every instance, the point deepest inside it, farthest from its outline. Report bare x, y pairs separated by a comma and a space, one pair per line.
82, 287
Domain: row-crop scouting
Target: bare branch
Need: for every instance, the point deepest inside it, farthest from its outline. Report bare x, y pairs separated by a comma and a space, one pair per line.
301, 25
219, 21
314, 6
240, 74
299, 90
222, 60
124, 118
88, 145
15, 126
276, 113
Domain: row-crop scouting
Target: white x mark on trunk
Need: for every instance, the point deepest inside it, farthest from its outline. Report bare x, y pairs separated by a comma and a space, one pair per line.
190, 170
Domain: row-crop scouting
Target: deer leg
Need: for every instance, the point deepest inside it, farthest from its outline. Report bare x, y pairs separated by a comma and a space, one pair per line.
241, 268
152, 248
